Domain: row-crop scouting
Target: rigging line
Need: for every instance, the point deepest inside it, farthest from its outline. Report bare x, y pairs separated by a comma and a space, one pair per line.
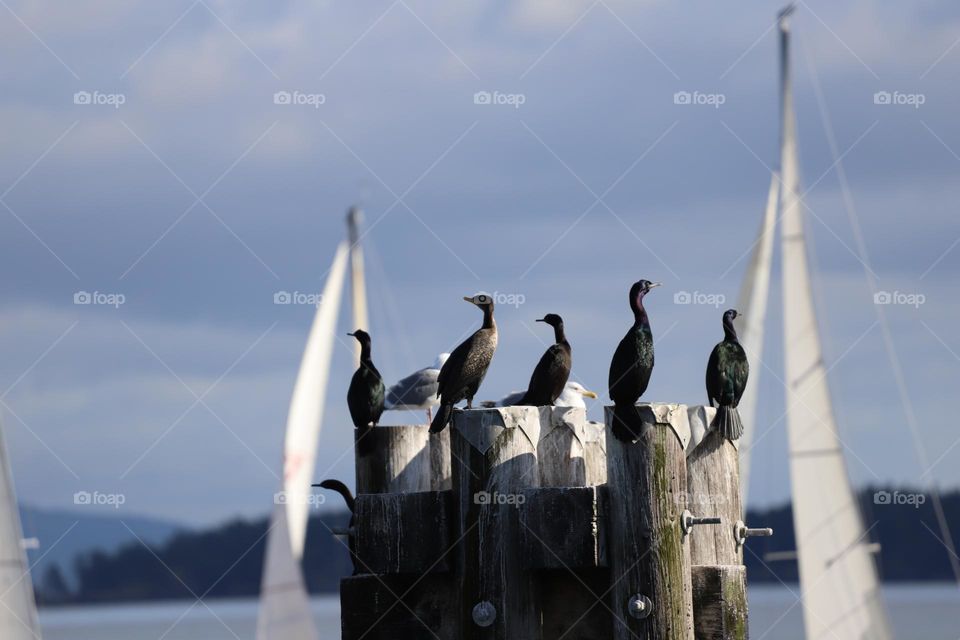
919, 448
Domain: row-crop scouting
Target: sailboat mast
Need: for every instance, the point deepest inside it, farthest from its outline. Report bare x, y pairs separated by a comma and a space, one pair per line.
358, 285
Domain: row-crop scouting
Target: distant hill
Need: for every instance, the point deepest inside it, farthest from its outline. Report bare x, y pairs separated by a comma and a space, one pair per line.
227, 561
88, 532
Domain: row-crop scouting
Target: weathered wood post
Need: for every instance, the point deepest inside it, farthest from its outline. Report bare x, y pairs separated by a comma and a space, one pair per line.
393, 459
494, 458
718, 575
561, 528
651, 594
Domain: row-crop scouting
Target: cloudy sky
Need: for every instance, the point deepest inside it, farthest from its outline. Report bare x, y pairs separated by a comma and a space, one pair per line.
143, 157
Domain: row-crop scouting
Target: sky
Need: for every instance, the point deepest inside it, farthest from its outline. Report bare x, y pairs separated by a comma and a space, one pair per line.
178, 164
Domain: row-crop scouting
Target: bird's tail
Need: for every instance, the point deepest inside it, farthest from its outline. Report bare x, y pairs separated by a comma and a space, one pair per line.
440, 420
626, 422
339, 487
728, 423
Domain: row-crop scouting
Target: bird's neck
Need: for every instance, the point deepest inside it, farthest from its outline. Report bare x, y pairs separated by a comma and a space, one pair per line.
640, 319
558, 334
488, 322
729, 331
365, 357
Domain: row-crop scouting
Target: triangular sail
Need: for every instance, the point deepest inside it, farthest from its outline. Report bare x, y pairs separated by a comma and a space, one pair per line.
752, 308
838, 579
283, 609
18, 610
358, 286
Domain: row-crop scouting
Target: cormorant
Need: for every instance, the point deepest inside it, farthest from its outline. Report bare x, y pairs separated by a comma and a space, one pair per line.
462, 373
339, 487
572, 396
365, 395
418, 390
632, 364
727, 372
553, 370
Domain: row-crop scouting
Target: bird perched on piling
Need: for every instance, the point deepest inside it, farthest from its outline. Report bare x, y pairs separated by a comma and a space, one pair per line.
366, 392
572, 396
462, 373
551, 373
418, 390
727, 372
632, 364
344, 491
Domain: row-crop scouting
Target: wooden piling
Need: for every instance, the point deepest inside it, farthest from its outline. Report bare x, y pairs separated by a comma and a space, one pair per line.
651, 594
494, 458
713, 478
394, 459
720, 602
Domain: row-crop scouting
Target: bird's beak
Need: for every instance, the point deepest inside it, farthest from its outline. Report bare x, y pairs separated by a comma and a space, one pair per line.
589, 394
541, 319
468, 299
352, 334
654, 284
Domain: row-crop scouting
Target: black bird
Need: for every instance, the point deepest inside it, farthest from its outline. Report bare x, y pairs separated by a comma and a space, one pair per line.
632, 364
365, 395
553, 370
339, 487
462, 373
727, 372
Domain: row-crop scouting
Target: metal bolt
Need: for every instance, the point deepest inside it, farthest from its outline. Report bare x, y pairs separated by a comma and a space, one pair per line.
742, 532
484, 613
688, 521
639, 606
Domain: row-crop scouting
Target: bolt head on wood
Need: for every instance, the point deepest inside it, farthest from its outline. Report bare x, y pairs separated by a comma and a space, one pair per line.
639, 606
484, 613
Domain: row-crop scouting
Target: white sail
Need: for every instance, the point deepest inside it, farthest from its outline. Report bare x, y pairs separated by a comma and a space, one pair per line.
18, 610
284, 606
284, 613
752, 308
358, 287
838, 579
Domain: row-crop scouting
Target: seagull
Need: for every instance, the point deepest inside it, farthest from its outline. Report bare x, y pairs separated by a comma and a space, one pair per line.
418, 390
571, 396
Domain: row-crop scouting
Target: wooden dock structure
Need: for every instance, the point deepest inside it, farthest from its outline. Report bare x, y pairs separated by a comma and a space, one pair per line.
532, 523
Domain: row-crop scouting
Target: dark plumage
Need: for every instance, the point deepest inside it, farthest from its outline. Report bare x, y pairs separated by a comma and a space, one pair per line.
462, 373
632, 364
365, 395
553, 370
339, 487
727, 372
